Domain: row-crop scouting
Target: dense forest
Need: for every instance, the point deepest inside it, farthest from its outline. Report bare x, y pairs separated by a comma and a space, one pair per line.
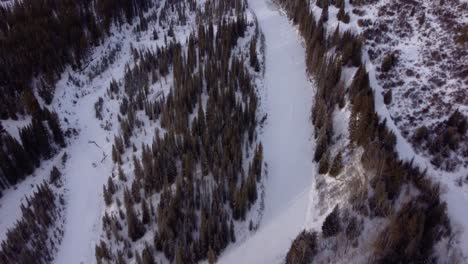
39, 140
33, 239
36, 46
191, 186
188, 171
413, 227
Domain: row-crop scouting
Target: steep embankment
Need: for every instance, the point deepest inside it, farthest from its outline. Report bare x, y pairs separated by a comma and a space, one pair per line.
286, 98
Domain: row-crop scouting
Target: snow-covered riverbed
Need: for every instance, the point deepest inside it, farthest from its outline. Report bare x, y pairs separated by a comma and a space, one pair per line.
287, 140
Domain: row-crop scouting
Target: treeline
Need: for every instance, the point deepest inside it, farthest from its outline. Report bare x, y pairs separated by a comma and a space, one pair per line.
39, 140
196, 164
29, 241
36, 46
416, 225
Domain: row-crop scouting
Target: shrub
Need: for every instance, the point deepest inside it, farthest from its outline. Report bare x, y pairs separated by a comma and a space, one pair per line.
388, 62
451, 138
421, 133
387, 98
459, 121
343, 16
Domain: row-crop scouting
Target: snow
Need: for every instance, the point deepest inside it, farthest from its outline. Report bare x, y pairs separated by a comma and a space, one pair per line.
90, 160
287, 139
13, 197
13, 126
84, 182
425, 82
89, 164
456, 198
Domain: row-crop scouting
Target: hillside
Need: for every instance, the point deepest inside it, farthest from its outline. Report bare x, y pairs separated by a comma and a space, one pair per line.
246, 131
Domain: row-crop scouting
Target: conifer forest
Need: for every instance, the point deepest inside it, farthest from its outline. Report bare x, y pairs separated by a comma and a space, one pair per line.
233, 131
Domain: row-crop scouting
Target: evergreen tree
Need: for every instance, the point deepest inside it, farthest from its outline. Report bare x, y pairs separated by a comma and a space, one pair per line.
324, 163
337, 165
145, 212
232, 232
135, 228
212, 258
253, 55
332, 224
147, 255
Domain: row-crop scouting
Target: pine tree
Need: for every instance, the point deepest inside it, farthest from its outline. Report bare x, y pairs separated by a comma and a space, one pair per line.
332, 224
55, 175
136, 191
137, 168
232, 232
110, 185
138, 257
322, 146
212, 258
336, 166
116, 155
253, 55
303, 248
107, 195
30, 101
342, 15
145, 212
204, 164
121, 174
54, 124
102, 252
135, 228
324, 163
147, 255
324, 15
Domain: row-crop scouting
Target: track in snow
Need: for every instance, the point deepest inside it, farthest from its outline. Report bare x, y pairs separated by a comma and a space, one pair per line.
288, 147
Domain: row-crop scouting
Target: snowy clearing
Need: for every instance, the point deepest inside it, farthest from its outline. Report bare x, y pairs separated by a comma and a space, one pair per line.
89, 162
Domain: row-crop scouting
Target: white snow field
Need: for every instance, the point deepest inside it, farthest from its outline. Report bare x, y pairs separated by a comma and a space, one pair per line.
85, 177
87, 169
287, 140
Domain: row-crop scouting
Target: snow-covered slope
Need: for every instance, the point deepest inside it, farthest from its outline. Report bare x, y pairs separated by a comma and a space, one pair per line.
89, 150
85, 176
12, 198
287, 99
286, 94
451, 183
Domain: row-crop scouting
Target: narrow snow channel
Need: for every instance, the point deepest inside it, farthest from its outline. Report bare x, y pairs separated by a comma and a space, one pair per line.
86, 172
288, 147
